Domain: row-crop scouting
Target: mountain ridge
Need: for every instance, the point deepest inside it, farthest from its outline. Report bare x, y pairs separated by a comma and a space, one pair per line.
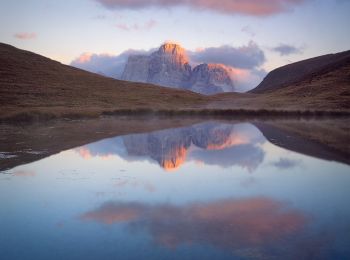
169, 66
33, 87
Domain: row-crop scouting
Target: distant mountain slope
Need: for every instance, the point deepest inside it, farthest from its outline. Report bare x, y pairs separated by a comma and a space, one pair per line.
32, 83
169, 66
302, 71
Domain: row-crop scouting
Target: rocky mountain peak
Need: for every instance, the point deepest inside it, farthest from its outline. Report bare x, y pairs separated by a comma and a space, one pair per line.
172, 52
169, 66
172, 48
211, 79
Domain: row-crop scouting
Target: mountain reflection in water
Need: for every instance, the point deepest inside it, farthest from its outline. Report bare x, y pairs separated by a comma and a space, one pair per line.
209, 143
266, 190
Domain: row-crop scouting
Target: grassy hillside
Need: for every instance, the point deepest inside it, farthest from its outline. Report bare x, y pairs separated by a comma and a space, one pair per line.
32, 86
302, 71
326, 89
31, 83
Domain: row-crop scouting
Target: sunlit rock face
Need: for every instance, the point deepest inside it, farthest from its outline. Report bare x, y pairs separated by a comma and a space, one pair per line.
210, 79
169, 67
166, 67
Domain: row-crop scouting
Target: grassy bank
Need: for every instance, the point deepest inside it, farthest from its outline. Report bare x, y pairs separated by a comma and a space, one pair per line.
37, 116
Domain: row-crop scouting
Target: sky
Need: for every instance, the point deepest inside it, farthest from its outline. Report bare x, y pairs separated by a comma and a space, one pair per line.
252, 37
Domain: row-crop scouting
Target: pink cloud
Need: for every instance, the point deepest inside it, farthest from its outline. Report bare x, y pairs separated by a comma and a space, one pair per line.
250, 222
25, 36
84, 57
85, 153
243, 7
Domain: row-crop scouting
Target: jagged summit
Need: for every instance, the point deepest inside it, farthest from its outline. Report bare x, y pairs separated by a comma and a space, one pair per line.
169, 66
172, 48
211, 78
174, 52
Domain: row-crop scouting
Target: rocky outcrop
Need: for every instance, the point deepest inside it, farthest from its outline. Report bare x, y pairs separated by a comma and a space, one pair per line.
211, 79
136, 68
169, 67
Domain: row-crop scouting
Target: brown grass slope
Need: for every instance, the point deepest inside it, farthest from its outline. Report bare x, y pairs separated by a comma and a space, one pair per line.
302, 71
32, 86
324, 88
30, 83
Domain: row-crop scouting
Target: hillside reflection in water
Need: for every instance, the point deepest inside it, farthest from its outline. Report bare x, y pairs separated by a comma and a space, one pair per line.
208, 191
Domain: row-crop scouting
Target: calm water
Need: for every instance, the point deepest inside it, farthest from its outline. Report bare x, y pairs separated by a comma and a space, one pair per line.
209, 191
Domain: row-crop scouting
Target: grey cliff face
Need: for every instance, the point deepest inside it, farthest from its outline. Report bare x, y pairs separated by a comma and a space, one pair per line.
136, 68
169, 67
211, 79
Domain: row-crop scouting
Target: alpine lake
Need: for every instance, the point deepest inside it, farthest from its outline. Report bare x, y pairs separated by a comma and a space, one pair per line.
175, 188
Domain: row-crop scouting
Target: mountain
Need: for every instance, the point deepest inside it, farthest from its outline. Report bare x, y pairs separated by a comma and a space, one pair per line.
303, 72
32, 84
321, 83
211, 79
169, 66
166, 67
34, 87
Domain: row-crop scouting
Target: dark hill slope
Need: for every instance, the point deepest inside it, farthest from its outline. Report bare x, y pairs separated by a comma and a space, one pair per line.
302, 71
30, 83
323, 92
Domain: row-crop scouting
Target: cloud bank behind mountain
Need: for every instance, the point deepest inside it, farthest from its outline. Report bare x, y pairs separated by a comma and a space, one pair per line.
243, 62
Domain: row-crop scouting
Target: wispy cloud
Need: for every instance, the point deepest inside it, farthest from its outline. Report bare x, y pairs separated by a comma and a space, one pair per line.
25, 36
246, 7
286, 49
286, 163
248, 30
137, 27
245, 57
99, 17
106, 64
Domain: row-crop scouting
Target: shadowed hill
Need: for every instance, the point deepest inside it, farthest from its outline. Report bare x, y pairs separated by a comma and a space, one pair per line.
321, 83
302, 71
32, 86
32, 83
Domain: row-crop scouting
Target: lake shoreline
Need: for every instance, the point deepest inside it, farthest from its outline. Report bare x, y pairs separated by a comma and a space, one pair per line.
25, 142
38, 116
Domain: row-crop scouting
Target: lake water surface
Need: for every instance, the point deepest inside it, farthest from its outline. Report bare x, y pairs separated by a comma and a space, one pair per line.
207, 191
